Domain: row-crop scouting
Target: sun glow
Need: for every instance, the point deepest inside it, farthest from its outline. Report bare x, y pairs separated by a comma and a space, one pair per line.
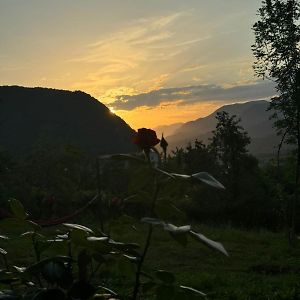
111, 109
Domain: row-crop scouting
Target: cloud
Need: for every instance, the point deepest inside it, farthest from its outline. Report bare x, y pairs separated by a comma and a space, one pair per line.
196, 94
141, 51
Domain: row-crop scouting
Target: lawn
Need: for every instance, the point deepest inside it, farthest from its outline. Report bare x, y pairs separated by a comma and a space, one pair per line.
261, 265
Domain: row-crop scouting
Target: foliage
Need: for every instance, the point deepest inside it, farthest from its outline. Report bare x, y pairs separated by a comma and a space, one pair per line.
68, 259
276, 48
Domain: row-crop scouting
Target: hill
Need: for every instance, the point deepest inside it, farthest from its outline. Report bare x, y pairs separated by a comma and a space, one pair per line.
29, 116
255, 120
167, 130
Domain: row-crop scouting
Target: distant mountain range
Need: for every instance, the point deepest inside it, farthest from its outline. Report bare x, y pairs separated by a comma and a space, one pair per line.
167, 130
29, 116
255, 120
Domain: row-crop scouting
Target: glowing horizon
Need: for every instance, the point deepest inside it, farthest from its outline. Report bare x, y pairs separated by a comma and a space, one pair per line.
151, 64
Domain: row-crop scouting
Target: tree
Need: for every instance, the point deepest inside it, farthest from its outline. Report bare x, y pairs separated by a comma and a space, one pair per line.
228, 144
276, 49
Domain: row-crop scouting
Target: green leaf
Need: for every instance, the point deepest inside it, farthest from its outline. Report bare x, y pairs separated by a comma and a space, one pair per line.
100, 287
2, 251
179, 234
78, 227
17, 209
4, 237
97, 239
17, 226
38, 267
210, 243
157, 170
79, 238
99, 244
123, 246
165, 276
7, 277
181, 176
54, 271
19, 269
190, 289
208, 179
177, 230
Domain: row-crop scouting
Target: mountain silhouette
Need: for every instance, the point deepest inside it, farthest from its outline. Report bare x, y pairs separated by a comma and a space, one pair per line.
29, 116
255, 118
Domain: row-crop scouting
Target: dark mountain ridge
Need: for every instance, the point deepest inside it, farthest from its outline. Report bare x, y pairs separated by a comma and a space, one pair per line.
33, 115
255, 118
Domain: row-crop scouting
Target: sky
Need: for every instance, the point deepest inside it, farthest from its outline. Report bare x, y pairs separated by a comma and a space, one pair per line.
153, 62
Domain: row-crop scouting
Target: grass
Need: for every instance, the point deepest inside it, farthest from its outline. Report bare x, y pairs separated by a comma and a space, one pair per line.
260, 265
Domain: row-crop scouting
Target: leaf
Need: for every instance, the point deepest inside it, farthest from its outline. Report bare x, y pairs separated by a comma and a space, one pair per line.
177, 230
179, 234
187, 288
163, 172
181, 176
210, 243
37, 267
97, 239
165, 276
17, 209
203, 177
4, 237
99, 244
7, 277
208, 179
152, 221
79, 227
107, 290
15, 225
2, 251
79, 237
54, 271
120, 245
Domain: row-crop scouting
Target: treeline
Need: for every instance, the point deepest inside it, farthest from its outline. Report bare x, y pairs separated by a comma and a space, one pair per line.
52, 182
257, 194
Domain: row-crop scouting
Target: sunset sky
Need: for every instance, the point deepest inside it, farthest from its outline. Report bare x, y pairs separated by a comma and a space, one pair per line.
153, 62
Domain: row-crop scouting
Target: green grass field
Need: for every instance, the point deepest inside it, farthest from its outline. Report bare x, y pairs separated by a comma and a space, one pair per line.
261, 265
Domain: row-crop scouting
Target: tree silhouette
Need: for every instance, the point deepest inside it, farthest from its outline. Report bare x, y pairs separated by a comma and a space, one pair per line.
228, 144
276, 49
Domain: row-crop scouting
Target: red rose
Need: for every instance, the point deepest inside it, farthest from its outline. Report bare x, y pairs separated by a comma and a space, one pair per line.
146, 139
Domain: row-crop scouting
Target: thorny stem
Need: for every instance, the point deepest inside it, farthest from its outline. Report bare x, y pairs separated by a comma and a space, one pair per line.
147, 244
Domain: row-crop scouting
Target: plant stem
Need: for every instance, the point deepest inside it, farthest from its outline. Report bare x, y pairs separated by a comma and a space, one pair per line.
147, 244
99, 188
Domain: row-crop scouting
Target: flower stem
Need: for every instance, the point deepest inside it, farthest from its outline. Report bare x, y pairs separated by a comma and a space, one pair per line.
147, 244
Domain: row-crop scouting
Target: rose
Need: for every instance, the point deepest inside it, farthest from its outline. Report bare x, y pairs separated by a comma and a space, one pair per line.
146, 139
